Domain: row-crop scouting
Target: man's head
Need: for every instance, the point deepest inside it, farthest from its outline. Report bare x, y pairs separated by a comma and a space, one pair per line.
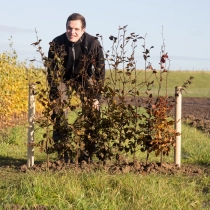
75, 27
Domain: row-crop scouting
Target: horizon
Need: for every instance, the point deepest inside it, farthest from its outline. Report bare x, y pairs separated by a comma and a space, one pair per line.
182, 25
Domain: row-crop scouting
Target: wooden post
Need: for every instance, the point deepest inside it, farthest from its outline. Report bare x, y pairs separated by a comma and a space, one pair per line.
31, 118
178, 114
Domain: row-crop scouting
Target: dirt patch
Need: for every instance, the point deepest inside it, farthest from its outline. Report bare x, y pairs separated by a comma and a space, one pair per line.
121, 168
196, 112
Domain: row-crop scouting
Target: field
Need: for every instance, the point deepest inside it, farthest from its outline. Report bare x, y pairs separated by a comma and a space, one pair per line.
117, 186
198, 88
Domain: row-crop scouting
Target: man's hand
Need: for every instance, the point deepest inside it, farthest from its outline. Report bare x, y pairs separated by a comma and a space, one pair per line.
96, 104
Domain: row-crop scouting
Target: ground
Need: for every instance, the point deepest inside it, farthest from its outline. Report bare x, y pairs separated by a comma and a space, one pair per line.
196, 112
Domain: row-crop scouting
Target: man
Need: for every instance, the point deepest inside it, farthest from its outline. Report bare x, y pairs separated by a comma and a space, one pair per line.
83, 62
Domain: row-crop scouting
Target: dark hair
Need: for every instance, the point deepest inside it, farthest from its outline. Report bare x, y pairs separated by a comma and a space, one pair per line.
76, 16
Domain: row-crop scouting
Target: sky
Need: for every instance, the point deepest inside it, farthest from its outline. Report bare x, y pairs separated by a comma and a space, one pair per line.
183, 25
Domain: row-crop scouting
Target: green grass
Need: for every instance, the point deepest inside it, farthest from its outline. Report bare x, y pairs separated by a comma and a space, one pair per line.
70, 189
200, 86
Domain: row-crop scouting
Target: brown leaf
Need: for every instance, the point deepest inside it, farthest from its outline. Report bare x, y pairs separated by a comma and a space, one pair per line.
162, 60
154, 71
165, 55
161, 66
111, 37
147, 51
128, 73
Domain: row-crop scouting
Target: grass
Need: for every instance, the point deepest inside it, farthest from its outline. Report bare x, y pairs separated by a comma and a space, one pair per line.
195, 146
199, 88
70, 189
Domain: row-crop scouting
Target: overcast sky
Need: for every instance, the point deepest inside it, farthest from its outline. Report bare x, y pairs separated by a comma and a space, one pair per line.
186, 26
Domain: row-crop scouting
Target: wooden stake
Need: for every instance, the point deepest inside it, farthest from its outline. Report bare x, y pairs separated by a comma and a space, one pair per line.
31, 118
178, 114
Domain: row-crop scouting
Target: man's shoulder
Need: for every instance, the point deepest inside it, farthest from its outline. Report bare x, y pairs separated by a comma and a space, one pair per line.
91, 39
88, 36
61, 39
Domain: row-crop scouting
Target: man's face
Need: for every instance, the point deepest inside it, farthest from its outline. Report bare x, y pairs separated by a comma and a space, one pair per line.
74, 30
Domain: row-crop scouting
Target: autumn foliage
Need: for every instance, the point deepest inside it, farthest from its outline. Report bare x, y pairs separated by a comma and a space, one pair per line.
14, 83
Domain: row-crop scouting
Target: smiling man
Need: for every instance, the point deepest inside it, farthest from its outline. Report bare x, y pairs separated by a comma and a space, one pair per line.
77, 44
83, 63
75, 29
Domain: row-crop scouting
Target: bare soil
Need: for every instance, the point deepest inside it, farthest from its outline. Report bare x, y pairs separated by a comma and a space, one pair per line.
122, 168
196, 112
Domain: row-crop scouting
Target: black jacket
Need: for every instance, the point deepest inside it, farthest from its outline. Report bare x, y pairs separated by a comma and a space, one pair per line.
84, 55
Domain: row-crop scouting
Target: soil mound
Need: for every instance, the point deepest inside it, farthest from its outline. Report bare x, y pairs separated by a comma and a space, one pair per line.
121, 168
